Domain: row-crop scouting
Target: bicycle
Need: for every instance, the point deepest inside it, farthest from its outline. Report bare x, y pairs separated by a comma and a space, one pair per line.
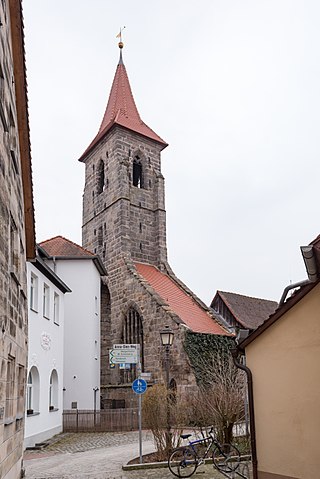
184, 460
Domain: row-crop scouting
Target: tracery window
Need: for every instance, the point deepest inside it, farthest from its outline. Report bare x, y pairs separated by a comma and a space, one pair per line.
132, 333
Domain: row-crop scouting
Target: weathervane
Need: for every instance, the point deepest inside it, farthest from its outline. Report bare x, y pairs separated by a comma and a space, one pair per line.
120, 37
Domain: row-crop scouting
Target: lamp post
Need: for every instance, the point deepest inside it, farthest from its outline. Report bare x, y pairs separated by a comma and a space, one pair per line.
167, 336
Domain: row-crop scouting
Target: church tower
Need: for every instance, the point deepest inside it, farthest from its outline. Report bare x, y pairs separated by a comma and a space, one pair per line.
123, 203
124, 222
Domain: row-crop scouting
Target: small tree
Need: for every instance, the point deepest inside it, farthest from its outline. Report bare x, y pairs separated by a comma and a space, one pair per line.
220, 400
156, 402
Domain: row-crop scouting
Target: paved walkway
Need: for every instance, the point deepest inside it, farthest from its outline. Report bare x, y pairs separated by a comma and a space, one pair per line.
97, 456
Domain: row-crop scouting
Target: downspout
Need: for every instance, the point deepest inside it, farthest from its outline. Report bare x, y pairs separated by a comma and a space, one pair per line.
234, 352
312, 271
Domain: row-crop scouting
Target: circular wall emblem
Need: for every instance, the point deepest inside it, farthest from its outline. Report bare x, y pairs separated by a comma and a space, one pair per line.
45, 341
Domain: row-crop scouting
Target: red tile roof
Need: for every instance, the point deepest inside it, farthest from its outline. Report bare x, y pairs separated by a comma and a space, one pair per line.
188, 310
121, 110
249, 312
60, 247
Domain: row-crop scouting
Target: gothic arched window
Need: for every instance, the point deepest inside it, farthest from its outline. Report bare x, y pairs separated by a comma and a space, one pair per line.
132, 333
137, 178
100, 177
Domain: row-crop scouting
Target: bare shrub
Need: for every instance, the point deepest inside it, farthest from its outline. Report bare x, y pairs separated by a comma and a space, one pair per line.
223, 399
160, 409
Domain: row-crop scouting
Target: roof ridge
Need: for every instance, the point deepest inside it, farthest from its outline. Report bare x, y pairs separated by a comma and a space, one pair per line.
246, 296
68, 241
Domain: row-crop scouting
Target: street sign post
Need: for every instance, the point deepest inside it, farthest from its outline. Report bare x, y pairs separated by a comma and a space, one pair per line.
139, 386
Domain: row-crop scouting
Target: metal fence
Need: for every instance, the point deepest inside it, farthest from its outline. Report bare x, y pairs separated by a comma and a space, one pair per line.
105, 420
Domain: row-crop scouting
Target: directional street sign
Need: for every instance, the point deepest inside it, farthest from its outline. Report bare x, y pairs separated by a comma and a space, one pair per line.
123, 356
139, 386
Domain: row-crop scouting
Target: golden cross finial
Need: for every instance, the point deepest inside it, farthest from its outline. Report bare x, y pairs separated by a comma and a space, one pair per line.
120, 37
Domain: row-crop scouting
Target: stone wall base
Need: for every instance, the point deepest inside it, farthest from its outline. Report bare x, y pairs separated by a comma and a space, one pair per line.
41, 436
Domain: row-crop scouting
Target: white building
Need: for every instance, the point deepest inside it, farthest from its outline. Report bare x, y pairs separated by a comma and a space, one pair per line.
81, 271
44, 402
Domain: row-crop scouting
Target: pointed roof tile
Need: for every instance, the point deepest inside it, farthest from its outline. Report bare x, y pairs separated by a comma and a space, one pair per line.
195, 317
62, 247
121, 110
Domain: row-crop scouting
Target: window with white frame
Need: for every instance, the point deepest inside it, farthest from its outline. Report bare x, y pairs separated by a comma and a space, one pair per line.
56, 308
53, 391
34, 292
29, 393
46, 301
33, 391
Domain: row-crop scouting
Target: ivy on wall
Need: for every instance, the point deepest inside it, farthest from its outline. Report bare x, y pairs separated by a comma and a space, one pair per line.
207, 353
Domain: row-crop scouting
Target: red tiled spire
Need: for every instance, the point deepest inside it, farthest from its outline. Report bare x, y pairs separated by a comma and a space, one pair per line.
121, 110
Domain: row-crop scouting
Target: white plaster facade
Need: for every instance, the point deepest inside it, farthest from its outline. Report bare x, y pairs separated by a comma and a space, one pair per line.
44, 399
82, 271
81, 333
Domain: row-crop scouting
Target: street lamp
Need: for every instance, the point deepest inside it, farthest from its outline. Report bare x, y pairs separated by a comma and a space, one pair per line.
167, 336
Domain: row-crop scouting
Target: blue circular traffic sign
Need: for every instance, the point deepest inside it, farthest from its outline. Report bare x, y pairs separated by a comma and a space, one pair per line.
139, 386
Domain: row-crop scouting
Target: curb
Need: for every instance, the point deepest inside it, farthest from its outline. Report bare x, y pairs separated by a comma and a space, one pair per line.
146, 465
159, 465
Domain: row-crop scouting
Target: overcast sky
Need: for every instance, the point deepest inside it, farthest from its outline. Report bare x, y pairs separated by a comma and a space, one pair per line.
232, 85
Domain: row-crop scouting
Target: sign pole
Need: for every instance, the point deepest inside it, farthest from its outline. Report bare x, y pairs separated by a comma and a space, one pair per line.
140, 428
140, 414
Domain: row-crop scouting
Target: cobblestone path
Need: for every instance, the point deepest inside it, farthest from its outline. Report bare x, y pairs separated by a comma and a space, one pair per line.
98, 456
80, 442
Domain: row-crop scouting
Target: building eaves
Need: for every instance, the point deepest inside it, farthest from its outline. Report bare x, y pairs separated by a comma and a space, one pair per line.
50, 274
95, 258
20, 83
292, 301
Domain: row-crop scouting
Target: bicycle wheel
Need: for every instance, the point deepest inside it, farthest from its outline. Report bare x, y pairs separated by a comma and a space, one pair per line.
183, 462
226, 457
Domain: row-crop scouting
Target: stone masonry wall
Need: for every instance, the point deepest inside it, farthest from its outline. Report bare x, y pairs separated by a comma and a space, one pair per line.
13, 294
123, 223
155, 313
122, 217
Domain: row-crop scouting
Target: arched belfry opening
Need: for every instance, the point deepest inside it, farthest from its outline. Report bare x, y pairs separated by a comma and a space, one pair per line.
132, 333
100, 177
137, 172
